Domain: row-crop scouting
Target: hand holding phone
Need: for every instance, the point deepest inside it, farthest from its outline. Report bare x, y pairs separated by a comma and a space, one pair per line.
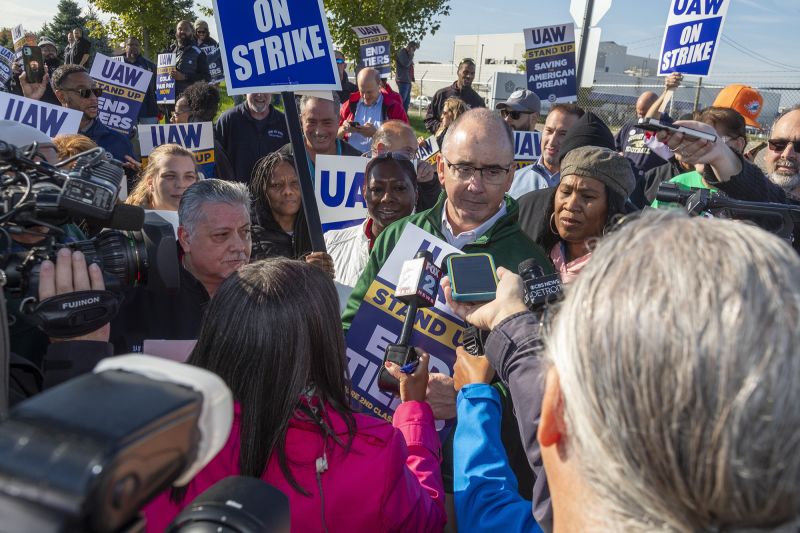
473, 277
653, 124
33, 63
354, 124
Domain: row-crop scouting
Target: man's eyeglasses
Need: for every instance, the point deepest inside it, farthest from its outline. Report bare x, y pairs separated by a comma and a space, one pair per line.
339, 61
494, 175
514, 114
85, 93
779, 145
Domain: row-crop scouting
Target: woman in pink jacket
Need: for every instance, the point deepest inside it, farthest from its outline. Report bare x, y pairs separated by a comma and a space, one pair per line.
272, 332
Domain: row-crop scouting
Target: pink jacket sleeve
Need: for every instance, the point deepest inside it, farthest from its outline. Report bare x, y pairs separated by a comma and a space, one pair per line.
414, 491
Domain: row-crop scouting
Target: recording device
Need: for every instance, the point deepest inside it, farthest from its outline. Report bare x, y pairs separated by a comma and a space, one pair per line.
33, 63
88, 454
236, 504
654, 124
473, 277
417, 287
540, 289
779, 219
36, 195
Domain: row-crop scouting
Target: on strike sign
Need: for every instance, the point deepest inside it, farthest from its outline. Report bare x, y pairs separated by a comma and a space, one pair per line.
691, 36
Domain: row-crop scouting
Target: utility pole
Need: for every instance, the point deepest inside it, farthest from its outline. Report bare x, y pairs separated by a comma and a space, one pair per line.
697, 94
587, 20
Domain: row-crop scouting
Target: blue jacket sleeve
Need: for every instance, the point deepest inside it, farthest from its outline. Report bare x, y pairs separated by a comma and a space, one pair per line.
514, 349
486, 497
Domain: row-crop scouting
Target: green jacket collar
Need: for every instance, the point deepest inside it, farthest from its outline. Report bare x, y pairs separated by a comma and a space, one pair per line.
502, 228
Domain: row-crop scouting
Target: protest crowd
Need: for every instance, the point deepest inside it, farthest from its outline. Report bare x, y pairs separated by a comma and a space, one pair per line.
656, 391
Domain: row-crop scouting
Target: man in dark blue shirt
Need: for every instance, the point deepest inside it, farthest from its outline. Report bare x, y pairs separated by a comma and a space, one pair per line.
76, 90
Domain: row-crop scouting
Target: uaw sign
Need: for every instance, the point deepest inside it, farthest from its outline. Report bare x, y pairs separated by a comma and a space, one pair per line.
428, 150
276, 45
197, 137
376, 48
550, 62
124, 87
379, 320
527, 148
47, 118
165, 84
338, 186
6, 59
214, 63
691, 36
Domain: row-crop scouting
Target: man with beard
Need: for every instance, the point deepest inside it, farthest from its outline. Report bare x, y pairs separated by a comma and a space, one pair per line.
546, 172
250, 131
76, 90
42, 91
782, 157
462, 88
191, 64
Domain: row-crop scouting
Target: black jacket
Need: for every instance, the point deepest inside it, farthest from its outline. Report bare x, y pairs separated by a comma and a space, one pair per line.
648, 187
192, 63
348, 88
150, 314
246, 140
434, 116
63, 361
535, 210
269, 238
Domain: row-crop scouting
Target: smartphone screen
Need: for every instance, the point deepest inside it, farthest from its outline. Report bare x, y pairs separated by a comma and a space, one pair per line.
472, 275
33, 63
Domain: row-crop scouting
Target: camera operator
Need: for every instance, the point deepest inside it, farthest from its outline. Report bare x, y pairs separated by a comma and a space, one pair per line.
214, 241
65, 358
27, 340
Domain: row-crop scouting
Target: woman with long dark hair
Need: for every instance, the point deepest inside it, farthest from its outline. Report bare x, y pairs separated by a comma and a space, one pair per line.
294, 425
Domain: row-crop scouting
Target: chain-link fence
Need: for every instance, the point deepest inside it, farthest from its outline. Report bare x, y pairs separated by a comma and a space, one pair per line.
616, 104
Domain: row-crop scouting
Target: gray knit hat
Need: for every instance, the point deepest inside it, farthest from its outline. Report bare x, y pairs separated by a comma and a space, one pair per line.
601, 164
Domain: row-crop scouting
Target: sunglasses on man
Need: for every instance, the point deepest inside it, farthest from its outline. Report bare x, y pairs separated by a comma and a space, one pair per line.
513, 114
86, 93
779, 145
339, 61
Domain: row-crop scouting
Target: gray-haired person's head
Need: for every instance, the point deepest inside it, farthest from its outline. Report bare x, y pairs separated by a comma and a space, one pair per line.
190, 210
677, 353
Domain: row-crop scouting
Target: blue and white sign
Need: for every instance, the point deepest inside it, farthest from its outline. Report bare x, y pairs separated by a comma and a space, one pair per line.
165, 84
550, 62
197, 137
124, 87
428, 150
379, 320
691, 36
47, 118
376, 48
339, 188
6, 60
214, 63
276, 45
527, 148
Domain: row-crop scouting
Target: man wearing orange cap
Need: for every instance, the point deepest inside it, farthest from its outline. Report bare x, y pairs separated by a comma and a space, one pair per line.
742, 99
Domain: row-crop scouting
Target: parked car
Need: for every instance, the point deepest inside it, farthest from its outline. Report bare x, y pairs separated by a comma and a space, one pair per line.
421, 101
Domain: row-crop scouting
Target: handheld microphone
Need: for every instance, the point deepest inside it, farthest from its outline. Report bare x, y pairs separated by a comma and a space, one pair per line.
540, 290
237, 504
417, 287
90, 452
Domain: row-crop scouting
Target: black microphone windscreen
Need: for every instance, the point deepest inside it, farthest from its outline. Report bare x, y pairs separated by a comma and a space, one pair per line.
125, 217
243, 504
530, 267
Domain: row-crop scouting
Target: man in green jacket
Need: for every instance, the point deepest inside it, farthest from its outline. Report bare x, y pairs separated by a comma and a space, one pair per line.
473, 213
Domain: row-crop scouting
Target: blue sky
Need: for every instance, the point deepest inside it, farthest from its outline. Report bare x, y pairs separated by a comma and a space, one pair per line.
764, 27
